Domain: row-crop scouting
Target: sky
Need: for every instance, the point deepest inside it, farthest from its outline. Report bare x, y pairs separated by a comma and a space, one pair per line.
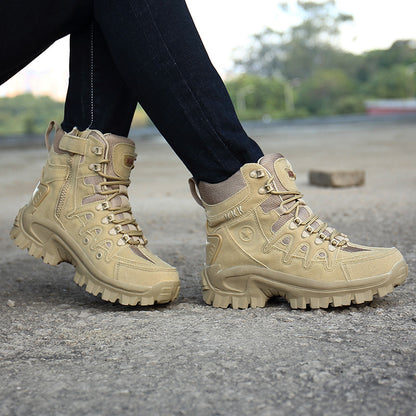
226, 26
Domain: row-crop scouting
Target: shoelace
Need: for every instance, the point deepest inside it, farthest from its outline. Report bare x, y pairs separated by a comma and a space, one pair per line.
114, 187
298, 202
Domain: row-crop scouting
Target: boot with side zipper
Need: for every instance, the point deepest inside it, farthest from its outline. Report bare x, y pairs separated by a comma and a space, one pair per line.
80, 213
264, 241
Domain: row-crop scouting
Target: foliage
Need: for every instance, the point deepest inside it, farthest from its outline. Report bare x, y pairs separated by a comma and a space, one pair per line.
402, 52
395, 82
323, 78
26, 114
255, 96
320, 93
304, 48
295, 73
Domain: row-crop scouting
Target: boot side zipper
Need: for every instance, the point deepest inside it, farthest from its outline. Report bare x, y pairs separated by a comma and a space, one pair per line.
64, 189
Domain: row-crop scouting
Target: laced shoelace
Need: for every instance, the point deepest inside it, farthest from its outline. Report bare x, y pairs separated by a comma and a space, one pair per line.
296, 197
113, 187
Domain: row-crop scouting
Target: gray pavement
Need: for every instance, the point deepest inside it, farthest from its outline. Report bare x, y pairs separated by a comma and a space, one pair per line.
65, 352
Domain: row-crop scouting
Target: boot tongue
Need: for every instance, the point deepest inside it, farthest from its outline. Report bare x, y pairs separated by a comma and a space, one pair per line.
284, 180
119, 151
121, 156
281, 169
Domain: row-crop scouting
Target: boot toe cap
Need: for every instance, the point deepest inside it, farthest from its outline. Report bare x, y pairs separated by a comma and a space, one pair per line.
376, 262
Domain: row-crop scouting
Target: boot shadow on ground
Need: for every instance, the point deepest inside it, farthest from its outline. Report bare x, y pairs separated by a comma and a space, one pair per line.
28, 280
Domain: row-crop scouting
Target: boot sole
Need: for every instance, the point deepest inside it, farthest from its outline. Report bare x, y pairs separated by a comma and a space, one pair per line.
255, 286
54, 251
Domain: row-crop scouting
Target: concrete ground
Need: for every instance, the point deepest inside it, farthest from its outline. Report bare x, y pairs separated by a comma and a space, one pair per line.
65, 352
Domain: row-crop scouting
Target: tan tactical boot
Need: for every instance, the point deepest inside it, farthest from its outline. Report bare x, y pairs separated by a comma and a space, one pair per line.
264, 241
80, 213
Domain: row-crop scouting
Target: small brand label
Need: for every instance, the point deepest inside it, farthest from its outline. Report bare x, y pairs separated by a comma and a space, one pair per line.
291, 174
246, 233
129, 161
234, 213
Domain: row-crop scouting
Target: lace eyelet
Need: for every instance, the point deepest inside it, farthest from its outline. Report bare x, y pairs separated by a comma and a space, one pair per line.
309, 229
97, 150
297, 221
85, 240
268, 187
104, 205
99, 255
95, 167
258, 173
125, 238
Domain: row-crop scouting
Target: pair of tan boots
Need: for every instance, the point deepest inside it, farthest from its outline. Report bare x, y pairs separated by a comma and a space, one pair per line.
263, 240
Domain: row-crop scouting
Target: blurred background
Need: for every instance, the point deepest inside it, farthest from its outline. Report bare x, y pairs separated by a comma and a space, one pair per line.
279, 60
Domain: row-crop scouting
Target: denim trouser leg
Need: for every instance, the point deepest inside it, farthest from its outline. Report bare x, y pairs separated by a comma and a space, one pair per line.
159, 53
157, 58
29, 27
97, 97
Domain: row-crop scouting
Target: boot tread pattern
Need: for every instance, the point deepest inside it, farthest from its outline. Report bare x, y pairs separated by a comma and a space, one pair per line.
256, 297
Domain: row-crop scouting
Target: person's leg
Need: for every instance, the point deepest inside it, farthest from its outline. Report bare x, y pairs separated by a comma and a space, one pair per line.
160, 55
80, 211
262, 238
97, 95
97, 98
28, 28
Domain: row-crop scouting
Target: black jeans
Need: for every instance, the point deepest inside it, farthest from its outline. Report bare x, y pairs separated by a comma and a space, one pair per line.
129, 51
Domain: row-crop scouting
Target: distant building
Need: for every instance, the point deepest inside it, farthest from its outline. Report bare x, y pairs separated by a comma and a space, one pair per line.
391, 106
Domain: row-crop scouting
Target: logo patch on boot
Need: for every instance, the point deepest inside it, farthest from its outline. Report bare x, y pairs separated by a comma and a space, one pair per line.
129, 161
234, 213
246, 233
123, 158
291, 174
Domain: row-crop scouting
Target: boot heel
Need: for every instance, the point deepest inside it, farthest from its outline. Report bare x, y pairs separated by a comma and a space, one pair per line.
48, 251
253, 296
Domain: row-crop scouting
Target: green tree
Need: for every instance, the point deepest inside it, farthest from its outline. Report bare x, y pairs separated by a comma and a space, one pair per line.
402, 52
29, 125
321, 93
395, 82
27, 114
256, 96
303, 49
